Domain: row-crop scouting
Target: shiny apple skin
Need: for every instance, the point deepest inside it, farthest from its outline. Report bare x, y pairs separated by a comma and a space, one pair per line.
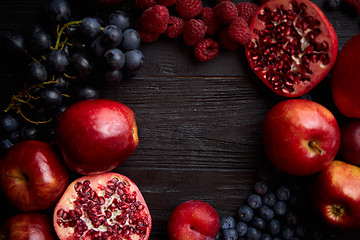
338, 188
288, 129
95, 136
33, 176
193, 219
28, 226
350, 141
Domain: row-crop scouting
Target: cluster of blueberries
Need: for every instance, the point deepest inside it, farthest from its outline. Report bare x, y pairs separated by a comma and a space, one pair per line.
269, 214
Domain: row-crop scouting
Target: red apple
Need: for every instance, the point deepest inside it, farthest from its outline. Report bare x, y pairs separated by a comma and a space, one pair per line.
28, 226
95, 136
301, 136
345, 79
350, 141
33, 176
193, 219
337, 195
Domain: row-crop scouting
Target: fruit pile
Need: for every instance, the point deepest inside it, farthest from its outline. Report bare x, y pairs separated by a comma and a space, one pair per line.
290, 46
63, 58
206, 29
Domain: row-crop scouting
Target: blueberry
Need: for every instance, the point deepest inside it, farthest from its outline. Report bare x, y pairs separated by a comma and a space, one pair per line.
274, 227
287, 233
5, 145
266, 236
291, 218
245, 213
29, 133
261, 187
113, 77
227, 222
253, 233
269, 199
334, 4
241, 228
15, 137
258, 223
280, 208
254, 201
230, 234
131, 40
300, 231
283, 193
266, 213
9, 122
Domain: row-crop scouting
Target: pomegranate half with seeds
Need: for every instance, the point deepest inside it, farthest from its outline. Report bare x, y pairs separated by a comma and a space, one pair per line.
293, 46
102, 206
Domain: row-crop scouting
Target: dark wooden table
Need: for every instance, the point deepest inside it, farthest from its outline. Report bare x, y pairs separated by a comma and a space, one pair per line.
199, 123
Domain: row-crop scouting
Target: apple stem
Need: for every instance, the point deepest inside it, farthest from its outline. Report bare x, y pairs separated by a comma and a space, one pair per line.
312, 144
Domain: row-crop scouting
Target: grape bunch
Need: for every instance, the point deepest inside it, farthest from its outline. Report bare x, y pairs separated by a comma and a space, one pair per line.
65, 57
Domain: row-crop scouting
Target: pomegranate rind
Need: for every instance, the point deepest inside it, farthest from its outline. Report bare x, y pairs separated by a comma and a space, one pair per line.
98, 183
318, 70
345, 79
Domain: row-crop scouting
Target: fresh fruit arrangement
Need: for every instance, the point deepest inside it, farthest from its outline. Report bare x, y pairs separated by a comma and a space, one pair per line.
58, 119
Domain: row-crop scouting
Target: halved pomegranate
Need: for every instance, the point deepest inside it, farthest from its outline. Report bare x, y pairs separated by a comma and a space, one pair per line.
293, 46
103, 206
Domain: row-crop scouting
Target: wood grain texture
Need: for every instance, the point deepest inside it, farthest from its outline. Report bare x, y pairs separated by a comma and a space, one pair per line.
199, 123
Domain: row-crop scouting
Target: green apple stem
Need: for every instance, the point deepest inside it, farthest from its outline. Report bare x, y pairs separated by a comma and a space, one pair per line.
313, 145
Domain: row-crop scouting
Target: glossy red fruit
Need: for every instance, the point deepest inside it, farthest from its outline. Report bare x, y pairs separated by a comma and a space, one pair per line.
350, 141
293, 46
28, 226
33, 176
193, 219
337, 195
345, 79
301, 136
95, 136
108, 205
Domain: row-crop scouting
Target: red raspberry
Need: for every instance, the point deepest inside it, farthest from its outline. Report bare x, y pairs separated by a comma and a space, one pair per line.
194, 31
247, 10
207, 15
144, 4
188, 8
225, 11
175, 27
166, 3
238, 31
154, 19
206, 50
148, 36
226, 42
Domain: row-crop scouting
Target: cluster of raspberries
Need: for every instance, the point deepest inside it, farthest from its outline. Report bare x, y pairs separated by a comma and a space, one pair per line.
206, 29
